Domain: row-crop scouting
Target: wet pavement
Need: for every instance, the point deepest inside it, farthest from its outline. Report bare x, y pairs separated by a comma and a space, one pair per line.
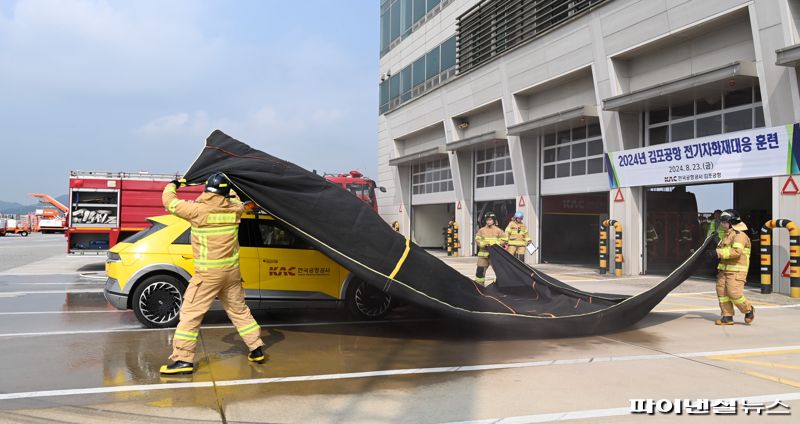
67, 356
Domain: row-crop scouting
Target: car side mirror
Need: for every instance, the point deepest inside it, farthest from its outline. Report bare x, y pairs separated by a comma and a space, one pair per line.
382, 189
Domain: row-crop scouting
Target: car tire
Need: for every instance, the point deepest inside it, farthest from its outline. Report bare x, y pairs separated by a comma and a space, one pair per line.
365, 301
157, 301
24, 234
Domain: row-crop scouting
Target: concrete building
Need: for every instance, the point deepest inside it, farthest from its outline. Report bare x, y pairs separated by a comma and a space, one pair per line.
506, 105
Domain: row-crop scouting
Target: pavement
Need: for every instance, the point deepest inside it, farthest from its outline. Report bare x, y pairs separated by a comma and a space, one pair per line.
67, 356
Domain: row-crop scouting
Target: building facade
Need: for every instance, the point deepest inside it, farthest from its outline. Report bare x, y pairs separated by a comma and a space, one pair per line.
500, 105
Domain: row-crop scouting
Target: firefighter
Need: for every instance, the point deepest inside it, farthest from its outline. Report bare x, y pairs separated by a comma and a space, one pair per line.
733, 252
518, 237
215, 217
488, 235
714, 225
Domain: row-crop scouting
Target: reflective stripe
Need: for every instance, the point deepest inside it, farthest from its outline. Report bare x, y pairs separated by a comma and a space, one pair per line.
724, 299
725, 252
170, 189
738, 245
249, 328
483, 254
522, 243
173, 205
491, 239
480, 280
226, 229
186, 335
217, 263
739, 301
401, 260
222, 218
733, 268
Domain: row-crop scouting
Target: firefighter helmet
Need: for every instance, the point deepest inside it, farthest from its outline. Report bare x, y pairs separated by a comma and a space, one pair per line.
519, 215
730, 215
489, 215
218, 184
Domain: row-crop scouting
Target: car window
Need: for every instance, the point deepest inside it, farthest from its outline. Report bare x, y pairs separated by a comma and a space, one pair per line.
273, 234
248, 233
185, 238
144, 233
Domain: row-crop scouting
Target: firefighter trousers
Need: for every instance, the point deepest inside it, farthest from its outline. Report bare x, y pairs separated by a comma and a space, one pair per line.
203, 288
730, 291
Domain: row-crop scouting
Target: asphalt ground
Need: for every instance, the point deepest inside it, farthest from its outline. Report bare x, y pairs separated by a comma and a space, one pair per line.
67, 356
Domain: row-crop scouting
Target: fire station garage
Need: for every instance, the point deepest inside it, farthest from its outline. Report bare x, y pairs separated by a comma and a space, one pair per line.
579, 216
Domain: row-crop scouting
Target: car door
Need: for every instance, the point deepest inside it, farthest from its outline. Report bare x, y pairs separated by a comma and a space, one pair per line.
291, 269
249, 261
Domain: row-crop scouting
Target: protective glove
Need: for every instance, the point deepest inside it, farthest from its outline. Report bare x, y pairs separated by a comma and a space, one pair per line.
178, 183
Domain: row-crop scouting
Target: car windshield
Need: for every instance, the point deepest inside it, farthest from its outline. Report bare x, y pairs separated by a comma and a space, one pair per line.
144, 233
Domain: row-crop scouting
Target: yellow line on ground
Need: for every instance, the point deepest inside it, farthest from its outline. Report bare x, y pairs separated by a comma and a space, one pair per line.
775, 379
765, 364
751, 354
699, 308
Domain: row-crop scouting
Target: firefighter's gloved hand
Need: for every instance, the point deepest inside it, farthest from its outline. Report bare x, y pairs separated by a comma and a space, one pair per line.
178, 183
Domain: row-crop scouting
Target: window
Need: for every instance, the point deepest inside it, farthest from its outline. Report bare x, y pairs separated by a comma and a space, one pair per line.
185, 238
449, 53
155, 226
493, 167
394, 86
273, 234
399, 16
384, 106
405, 84
431, 177
418, 71
572, 152
711, 115
432, 63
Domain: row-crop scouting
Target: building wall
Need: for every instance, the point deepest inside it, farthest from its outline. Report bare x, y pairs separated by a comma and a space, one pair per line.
618, 47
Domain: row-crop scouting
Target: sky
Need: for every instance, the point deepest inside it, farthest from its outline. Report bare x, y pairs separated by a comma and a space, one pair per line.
138, 85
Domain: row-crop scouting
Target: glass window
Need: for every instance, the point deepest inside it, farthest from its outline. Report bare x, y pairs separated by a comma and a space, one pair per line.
481, 182
562, 170
405, 11
563, 137
550, 140
394, 11
385, 92
419, 9
709, 104
595, 166
385, 30
549, 172
578, 150
593, 130
658, 115
738, 97
499, 179
449, 53
549, 155
579, 133
739, 120
432, 4
682, 111
579, 167
595, 147
394, 86
759, 112
682, 131
658, 135
405, 83
756, 93
711, 125
418, 71
431, 177
509, 178
273, 235
432, 63
490, 180
563, 153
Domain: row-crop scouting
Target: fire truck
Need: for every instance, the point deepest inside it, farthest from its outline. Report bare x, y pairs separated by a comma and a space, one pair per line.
107, 207
356, 183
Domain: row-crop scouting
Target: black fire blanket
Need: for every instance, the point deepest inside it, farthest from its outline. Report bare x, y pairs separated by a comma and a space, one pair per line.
352, 234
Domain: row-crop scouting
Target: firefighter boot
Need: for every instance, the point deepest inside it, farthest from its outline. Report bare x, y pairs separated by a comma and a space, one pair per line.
724, 321
257, 356
750, 316
177, 367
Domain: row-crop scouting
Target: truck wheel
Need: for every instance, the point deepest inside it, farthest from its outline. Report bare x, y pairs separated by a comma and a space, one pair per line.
24, 234
367, 302
157, 301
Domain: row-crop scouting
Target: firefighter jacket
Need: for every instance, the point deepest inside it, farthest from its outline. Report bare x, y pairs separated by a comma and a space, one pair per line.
517, 233
734, 251
215, 227
715, 227
488, 236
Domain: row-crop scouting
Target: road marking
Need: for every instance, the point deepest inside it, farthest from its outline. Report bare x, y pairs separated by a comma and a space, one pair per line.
381, 373
775, 379
613, 412
205, 327
656, 309
111, 311
51, 284
23, 293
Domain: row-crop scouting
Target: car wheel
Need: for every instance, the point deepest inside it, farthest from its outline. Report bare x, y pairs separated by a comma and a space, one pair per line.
365, 301
24, 234
157, 301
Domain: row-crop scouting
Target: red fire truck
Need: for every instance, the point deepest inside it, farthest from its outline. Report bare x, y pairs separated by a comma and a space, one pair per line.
107, 207
356, 183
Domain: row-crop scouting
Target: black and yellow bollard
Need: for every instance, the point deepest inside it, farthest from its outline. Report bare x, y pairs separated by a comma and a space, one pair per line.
456, 244
617, 247
794, 255
450, 238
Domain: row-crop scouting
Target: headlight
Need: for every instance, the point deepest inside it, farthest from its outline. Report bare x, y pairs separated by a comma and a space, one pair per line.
113, 257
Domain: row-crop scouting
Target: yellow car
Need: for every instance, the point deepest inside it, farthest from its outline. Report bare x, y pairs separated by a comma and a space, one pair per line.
149, 271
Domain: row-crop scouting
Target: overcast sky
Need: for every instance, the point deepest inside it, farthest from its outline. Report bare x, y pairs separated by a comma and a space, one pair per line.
139, 85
